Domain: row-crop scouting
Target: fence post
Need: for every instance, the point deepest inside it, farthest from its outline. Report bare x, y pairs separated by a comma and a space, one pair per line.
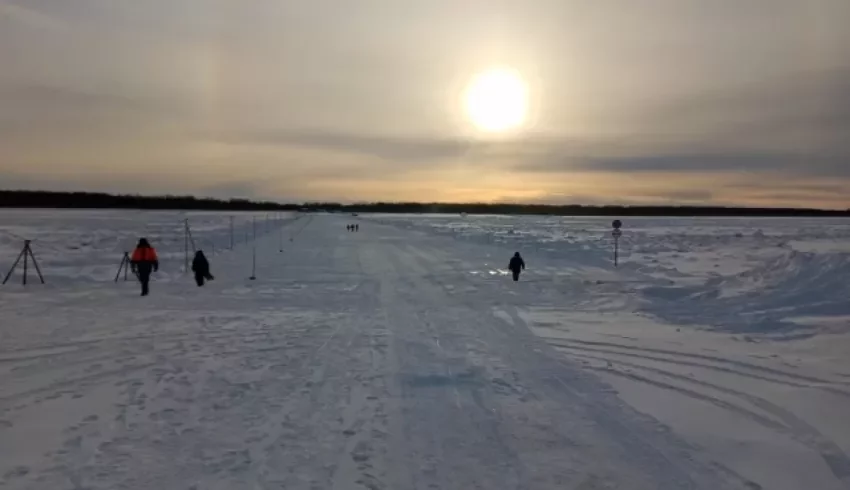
254, 263
186, 245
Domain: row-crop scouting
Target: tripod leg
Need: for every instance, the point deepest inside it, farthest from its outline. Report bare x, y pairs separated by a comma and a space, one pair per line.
126, 265
121, 266
37, 268
26, 256
13, 266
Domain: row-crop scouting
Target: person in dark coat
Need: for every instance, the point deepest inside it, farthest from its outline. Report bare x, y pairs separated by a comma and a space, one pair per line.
143, 262
201, 268
516, 266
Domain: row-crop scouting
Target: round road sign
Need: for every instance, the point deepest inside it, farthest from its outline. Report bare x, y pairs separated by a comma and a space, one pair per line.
617, 224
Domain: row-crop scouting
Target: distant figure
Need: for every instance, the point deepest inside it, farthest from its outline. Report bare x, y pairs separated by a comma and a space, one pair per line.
516, 266
143, 261
201, 268
357, 227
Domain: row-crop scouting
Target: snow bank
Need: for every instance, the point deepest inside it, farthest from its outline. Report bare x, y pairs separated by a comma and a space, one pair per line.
764, 298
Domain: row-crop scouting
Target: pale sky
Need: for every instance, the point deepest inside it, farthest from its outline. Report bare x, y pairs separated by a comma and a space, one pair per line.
631, 101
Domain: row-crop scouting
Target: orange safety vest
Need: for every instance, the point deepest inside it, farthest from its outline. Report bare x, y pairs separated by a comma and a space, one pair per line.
143, 254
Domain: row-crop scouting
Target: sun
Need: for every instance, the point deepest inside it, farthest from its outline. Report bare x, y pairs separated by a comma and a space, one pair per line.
496, 100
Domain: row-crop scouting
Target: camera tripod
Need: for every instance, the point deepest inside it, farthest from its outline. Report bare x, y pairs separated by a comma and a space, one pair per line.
26, 254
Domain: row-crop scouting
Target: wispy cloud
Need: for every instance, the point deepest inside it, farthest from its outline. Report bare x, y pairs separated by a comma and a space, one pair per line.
397, 148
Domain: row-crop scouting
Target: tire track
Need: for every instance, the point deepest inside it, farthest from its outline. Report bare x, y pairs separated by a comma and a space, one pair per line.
567, 345
719, 360
794, 427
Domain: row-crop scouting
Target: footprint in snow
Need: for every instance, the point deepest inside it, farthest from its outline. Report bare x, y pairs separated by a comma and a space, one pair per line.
17, 472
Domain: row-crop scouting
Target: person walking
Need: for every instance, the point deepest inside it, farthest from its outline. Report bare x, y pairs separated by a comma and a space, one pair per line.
201, 268
143, 262
516, 266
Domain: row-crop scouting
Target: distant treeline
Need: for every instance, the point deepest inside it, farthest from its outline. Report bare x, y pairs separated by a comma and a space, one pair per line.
572, 210
97, 200
93, 200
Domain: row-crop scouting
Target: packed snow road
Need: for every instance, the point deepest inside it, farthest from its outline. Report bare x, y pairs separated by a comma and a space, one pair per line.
373, 360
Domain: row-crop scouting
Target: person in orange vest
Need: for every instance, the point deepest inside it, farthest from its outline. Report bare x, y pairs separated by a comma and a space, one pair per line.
143, 261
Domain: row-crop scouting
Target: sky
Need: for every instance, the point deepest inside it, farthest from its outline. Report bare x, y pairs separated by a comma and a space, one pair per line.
630, 102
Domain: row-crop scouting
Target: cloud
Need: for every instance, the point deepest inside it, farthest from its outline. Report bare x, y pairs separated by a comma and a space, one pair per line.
777, 111
45, 112
794, 126
785, 164
386, 147
17, 14
671, 100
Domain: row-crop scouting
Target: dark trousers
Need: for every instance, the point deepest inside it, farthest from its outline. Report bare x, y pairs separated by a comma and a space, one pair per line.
143, 270
516, 275
199, 279
145, 278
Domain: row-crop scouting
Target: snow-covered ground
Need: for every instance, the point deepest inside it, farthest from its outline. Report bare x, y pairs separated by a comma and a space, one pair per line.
402, 356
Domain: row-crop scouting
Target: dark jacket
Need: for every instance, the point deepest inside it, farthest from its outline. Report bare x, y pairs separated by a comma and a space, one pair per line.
200, 265
517, 264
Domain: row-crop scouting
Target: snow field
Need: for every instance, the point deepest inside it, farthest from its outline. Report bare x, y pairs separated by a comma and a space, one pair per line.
402, 357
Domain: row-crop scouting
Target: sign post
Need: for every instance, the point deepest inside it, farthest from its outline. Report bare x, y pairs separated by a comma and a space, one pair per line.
617, 233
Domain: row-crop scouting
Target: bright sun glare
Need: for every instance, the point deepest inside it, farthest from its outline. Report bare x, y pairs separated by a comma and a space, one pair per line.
497, 100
